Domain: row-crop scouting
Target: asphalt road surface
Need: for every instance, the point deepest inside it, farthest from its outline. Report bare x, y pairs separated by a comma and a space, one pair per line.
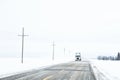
67, 71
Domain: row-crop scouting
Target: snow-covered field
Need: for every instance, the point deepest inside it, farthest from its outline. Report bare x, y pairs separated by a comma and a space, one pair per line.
106, 70
9, 66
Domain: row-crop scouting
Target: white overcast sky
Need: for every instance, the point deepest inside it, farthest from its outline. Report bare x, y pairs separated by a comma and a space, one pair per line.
91, 27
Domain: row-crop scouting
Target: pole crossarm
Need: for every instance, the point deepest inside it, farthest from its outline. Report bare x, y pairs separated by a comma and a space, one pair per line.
23, 35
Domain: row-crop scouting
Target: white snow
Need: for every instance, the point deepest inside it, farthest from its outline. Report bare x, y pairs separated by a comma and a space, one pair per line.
10, 66
106, 70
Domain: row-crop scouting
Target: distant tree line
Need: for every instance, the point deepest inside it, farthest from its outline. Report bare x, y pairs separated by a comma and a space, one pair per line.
109, 57
118, 56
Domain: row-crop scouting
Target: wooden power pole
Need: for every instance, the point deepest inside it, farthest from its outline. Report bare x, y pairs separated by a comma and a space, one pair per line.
23, 35
53, 51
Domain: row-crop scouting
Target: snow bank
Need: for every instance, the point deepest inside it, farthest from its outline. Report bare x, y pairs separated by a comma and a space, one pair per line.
10, 66
106, 70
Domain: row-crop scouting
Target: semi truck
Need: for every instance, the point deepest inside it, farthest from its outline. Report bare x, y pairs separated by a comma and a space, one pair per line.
78, 57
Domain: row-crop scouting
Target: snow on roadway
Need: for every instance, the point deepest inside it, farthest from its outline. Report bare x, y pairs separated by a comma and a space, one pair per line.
106, 70
9, 66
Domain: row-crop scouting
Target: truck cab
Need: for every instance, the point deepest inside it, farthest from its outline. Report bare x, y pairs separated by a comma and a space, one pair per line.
77, 57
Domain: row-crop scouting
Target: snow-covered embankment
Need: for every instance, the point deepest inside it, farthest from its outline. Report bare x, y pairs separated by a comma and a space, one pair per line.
106, 70
11, 66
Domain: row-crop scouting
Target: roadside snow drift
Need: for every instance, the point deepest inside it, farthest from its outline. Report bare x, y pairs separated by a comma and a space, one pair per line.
106, 70
10, 66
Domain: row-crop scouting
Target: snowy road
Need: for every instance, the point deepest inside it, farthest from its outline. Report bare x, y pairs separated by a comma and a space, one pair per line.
66, 71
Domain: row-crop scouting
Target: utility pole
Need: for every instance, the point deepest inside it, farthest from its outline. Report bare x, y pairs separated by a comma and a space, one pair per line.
23, 35
64, 51
53, 51
69, 52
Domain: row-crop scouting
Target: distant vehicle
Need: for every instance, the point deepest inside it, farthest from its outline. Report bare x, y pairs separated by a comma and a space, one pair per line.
78, 57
